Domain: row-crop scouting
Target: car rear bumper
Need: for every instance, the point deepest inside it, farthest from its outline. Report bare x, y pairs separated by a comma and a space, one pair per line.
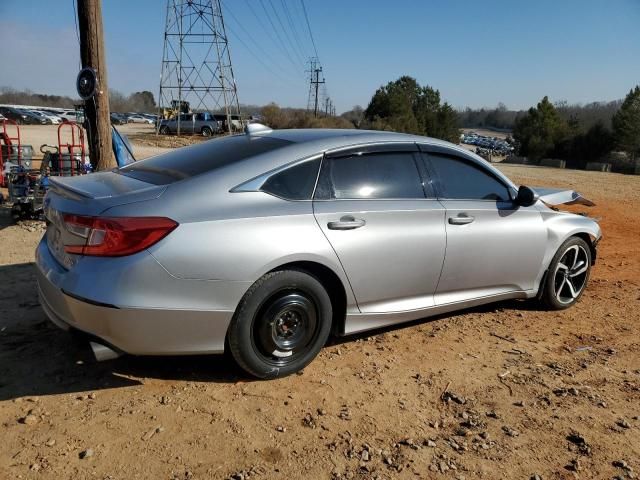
134, 330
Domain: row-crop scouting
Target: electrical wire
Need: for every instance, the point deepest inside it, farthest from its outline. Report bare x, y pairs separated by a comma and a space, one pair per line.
77, 30
75, 20
275, 12
292, 25
306, 16
284, 48
257, 57
267, 32
248, 35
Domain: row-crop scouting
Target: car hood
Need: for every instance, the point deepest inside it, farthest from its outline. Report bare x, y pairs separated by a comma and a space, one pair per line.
558, 196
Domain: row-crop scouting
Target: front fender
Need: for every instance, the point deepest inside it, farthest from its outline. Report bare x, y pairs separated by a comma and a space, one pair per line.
563, 225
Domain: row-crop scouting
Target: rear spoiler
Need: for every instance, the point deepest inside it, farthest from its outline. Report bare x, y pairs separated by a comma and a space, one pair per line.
61, 187
555, 196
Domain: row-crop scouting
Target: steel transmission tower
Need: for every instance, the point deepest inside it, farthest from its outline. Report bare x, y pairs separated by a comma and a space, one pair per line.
196, 63
315, 80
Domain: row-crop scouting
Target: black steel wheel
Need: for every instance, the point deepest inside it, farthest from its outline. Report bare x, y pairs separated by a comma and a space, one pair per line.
281, 324
285, 327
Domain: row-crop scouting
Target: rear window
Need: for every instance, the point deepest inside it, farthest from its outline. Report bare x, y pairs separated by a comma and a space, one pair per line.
188, 162
294, 183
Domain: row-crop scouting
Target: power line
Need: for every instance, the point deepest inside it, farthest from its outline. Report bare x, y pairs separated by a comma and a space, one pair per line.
253, 40
266, 30
292, 25
300, 58
297, 16
254, 55
306, 17
284, 48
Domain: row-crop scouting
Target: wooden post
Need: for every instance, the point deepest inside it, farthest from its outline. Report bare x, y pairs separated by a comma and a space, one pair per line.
96, 109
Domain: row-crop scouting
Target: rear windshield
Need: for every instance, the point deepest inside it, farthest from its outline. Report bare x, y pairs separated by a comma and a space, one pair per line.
191, 161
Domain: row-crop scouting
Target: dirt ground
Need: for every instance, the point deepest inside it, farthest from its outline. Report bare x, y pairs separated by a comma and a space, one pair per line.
503, 391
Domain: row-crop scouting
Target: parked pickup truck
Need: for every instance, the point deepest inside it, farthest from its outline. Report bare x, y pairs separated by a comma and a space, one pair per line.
198, 123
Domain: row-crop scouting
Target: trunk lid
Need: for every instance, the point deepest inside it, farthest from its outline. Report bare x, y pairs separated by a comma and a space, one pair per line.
558, 196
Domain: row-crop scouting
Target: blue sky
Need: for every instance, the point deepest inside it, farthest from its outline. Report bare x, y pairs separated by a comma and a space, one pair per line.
476, 53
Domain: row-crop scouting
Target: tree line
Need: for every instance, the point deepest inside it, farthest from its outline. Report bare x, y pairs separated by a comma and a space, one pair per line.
402, 105
549, 131
502, 118
136, 102
576, 133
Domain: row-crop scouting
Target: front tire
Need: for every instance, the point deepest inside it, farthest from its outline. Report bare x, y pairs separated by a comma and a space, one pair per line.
281, 324
164, 130
568, 274
206, 132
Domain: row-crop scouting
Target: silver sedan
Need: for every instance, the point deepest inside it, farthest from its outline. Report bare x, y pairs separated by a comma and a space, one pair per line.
265, 243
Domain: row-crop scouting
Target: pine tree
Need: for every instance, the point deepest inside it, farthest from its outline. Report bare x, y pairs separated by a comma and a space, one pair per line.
626, 125
540, 130
405, 106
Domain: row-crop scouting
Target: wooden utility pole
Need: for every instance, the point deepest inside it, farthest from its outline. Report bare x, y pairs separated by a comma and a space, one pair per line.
96, 109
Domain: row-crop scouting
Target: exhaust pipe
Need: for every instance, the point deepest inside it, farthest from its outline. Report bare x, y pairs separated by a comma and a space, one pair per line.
102, 352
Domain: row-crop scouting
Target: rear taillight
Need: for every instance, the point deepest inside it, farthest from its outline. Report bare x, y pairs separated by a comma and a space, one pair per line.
116, 236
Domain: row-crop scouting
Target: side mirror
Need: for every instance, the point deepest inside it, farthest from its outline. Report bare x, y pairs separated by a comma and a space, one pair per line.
526, 196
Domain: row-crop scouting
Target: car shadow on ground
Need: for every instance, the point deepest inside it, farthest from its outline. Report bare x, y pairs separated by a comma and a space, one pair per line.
41, 359
37, 358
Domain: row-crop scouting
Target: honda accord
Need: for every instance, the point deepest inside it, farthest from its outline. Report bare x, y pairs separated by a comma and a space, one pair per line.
266, 243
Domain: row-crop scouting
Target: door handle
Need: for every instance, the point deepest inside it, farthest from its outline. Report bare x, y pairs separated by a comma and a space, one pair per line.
346, 223
462, 219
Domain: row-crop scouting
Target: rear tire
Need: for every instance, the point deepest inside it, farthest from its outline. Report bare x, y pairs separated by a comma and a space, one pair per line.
281, 324
164, 130
568, 274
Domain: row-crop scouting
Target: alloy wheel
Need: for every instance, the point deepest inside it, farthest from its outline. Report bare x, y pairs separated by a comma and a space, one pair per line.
570, 276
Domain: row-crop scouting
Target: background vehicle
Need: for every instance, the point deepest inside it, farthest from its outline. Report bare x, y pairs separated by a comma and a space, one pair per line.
18, 116
48, 119
137, 118
55, 119
71, 116
34, 118
237, 123
150, 116
118, 119
298, 233
203, 123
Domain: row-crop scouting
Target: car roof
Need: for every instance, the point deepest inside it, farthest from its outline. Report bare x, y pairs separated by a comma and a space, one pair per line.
311, 141
325, 139
340, 135
301, 144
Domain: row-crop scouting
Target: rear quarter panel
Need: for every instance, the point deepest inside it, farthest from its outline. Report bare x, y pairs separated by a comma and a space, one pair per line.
237, 236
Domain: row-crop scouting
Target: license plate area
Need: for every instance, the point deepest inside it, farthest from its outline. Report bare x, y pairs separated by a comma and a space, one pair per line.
55, 239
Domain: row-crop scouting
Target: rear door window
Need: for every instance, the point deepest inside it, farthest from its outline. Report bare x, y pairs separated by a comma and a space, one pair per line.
385, 175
